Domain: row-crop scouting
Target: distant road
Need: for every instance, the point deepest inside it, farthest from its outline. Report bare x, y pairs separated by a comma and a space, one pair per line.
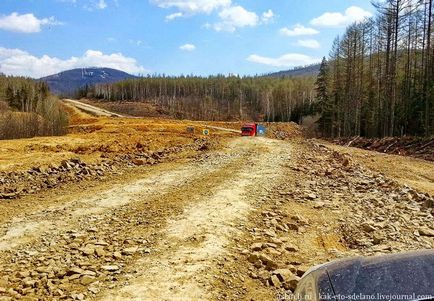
223, 129
105, 113
91, 109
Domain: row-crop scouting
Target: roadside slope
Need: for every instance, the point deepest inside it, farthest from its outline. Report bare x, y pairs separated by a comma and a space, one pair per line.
414, 172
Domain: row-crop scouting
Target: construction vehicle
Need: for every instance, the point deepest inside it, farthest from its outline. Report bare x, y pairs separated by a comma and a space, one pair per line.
253, 129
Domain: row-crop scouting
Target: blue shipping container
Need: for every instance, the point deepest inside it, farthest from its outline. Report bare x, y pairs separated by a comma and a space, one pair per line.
260, 130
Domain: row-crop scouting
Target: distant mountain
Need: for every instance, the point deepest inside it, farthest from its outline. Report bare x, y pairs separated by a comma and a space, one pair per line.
66, 83
311, 70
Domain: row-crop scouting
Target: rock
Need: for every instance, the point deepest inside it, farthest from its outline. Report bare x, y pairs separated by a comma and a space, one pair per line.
291, 247
86, 280
253, 275
110, 268
284, 275
256, 247
367, 227
30, 283
426, 232
270, 245
4, 282
65, 164
269, 263
270, 233
117, 255
378, 238
77, 296
301, 270
300, 219
101, 243
253, 257
74, 271
139, 162
274, 281
312, 196
291, 283
88, 273
75, 160
42, 270
9, 196
24, 274
319, 205
130, 251
292, 226
88, 251
99, 251
93, 290
74, 277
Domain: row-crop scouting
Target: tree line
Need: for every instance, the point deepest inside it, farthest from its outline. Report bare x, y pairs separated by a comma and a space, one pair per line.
379, 78
27, 109
216, 97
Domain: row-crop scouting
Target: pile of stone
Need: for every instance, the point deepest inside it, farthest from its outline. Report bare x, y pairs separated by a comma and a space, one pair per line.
15, 184
77, 265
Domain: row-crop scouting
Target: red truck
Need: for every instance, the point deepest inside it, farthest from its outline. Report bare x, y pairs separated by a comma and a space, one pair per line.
252, 129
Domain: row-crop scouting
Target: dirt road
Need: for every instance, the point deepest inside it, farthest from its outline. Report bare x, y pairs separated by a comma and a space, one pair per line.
91, 109
205, 199
228, 218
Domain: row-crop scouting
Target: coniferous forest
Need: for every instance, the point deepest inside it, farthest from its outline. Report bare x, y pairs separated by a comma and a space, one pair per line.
379, 80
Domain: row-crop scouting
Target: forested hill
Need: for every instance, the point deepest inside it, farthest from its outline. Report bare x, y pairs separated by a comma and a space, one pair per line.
68, 82
311, 70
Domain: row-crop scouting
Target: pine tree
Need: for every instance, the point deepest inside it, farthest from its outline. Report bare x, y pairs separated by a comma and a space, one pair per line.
325, 107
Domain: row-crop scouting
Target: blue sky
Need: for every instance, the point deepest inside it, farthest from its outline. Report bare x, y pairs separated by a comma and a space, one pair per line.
203, 37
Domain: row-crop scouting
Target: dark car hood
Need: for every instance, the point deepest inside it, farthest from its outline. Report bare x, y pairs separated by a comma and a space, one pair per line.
410, 275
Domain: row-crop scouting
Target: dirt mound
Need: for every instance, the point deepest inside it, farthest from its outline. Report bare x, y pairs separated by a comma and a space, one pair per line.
283, 130
417, 147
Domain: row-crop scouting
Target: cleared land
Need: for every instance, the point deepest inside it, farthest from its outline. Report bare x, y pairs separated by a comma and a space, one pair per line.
142, 209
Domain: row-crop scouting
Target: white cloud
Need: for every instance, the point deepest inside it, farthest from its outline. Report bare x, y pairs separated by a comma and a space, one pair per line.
298, 30
174, 16
193, 6
309, 43
286, 60
26, 23
19, 62
136, 42
336, 19
235, 17
101, 4
267, 16
188, 47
